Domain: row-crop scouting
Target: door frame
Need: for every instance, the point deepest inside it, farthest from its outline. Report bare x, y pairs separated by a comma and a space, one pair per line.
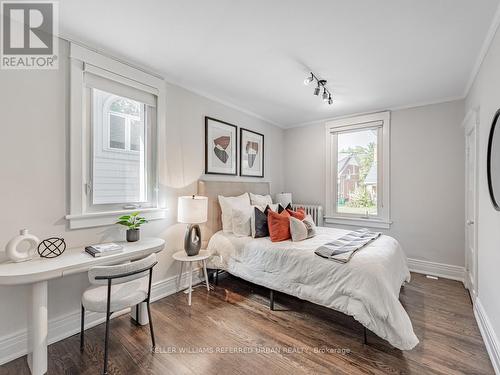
471, 122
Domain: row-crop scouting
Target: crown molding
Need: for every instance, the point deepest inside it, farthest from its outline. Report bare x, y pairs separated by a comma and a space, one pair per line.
488, 40
170, 80
395, 108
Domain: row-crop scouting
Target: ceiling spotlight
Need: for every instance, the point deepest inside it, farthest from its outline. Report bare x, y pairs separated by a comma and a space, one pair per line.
325, 95
308, 80
317, 90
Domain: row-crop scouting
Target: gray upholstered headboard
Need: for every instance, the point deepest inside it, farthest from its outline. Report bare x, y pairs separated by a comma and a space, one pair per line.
212, 189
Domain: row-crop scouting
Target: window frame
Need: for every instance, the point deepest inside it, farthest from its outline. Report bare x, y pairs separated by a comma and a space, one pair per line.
379, 120
82, 214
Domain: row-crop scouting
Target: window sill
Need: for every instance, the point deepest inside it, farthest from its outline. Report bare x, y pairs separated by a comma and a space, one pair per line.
359, 222
98, 219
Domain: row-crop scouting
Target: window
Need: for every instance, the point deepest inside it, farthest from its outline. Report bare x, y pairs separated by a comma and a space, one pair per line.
358, 170
122, 161
116, 120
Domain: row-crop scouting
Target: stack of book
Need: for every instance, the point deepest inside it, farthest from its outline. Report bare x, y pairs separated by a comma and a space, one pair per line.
103, 249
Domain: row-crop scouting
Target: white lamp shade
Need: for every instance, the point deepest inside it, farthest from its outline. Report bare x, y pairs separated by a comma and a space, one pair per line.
192, 209
284, 199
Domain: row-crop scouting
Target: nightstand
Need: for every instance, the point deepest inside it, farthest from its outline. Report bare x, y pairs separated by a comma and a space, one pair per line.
182, 257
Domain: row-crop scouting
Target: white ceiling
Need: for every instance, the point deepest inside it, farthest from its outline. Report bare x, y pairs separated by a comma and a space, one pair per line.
255, 54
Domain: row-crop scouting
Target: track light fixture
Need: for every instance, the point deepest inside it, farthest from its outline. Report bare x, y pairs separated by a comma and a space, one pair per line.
308, 80
321, 84
317, 90
325, 95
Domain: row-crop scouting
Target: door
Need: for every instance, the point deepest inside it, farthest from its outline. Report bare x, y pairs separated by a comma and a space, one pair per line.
471, 204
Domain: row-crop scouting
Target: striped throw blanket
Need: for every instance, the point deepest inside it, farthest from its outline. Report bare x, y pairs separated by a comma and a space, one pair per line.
344, 248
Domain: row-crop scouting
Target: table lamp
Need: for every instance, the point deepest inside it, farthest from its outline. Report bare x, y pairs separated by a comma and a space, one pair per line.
192, 210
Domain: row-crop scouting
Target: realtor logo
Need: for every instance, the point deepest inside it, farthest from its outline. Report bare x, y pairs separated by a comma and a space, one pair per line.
29, 35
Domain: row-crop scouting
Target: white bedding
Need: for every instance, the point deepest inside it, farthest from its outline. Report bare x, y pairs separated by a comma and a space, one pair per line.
367, 287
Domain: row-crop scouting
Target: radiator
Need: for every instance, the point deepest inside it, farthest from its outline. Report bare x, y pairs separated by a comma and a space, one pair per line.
316, 211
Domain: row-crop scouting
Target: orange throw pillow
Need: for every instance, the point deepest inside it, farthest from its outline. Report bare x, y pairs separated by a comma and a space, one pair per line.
299, 214
279, 225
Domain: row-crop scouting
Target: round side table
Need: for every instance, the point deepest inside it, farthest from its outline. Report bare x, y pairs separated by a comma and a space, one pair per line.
182, 257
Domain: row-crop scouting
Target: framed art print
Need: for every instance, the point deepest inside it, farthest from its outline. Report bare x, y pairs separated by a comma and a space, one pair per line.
251, 153
221, 139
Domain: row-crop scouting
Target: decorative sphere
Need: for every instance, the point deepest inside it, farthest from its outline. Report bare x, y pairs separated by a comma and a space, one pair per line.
51, 247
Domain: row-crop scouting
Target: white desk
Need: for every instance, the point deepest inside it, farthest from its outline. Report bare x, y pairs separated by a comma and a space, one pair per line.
39, 270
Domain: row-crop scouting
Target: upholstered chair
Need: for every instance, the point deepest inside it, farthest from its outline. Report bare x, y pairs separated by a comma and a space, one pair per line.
115, 288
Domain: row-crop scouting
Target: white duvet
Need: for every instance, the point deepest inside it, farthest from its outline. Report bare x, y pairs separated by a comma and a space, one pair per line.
366, 288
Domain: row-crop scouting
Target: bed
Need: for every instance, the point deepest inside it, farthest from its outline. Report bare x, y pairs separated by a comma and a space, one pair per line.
366, 288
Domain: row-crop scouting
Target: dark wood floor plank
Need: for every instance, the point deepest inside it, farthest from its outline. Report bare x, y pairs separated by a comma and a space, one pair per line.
297, 338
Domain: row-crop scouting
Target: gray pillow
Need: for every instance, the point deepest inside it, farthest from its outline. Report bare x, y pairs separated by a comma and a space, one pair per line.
302, 229
259, 223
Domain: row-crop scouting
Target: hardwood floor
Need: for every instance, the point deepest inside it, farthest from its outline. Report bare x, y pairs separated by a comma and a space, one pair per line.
297, 338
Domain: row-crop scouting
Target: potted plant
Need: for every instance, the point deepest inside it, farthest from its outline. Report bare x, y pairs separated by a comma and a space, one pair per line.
133, 222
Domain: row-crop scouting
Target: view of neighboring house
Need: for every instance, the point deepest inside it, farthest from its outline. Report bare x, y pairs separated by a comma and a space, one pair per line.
348, 177
371, 182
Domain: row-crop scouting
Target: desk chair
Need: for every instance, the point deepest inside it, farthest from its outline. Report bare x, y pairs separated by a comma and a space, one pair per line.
116, 288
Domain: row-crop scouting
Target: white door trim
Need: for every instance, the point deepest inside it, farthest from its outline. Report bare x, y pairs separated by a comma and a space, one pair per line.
471, 123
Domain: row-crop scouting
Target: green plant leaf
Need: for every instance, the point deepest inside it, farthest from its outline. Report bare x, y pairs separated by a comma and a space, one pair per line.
132, 221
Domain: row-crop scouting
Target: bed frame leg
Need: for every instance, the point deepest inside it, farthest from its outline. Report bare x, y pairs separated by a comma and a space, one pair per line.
271, 299
365, 339
216, 277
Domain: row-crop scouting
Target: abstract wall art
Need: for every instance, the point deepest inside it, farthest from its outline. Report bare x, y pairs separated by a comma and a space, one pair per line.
251, 153
220, 147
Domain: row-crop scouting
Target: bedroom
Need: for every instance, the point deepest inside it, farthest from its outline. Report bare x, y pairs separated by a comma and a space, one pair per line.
165, 100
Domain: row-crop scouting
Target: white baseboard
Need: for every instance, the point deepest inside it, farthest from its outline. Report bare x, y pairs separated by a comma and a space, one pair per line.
446, 271
16, 345
489, 337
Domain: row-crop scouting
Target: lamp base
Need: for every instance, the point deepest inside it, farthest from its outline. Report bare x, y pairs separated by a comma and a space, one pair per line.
192, 240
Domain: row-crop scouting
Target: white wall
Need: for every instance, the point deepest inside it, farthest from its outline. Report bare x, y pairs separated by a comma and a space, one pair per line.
427, 178
485, 94
34, 170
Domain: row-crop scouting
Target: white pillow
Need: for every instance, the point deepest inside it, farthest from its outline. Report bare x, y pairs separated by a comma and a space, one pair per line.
302, 229
242, 221
226, 206
260, 200
274, 207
